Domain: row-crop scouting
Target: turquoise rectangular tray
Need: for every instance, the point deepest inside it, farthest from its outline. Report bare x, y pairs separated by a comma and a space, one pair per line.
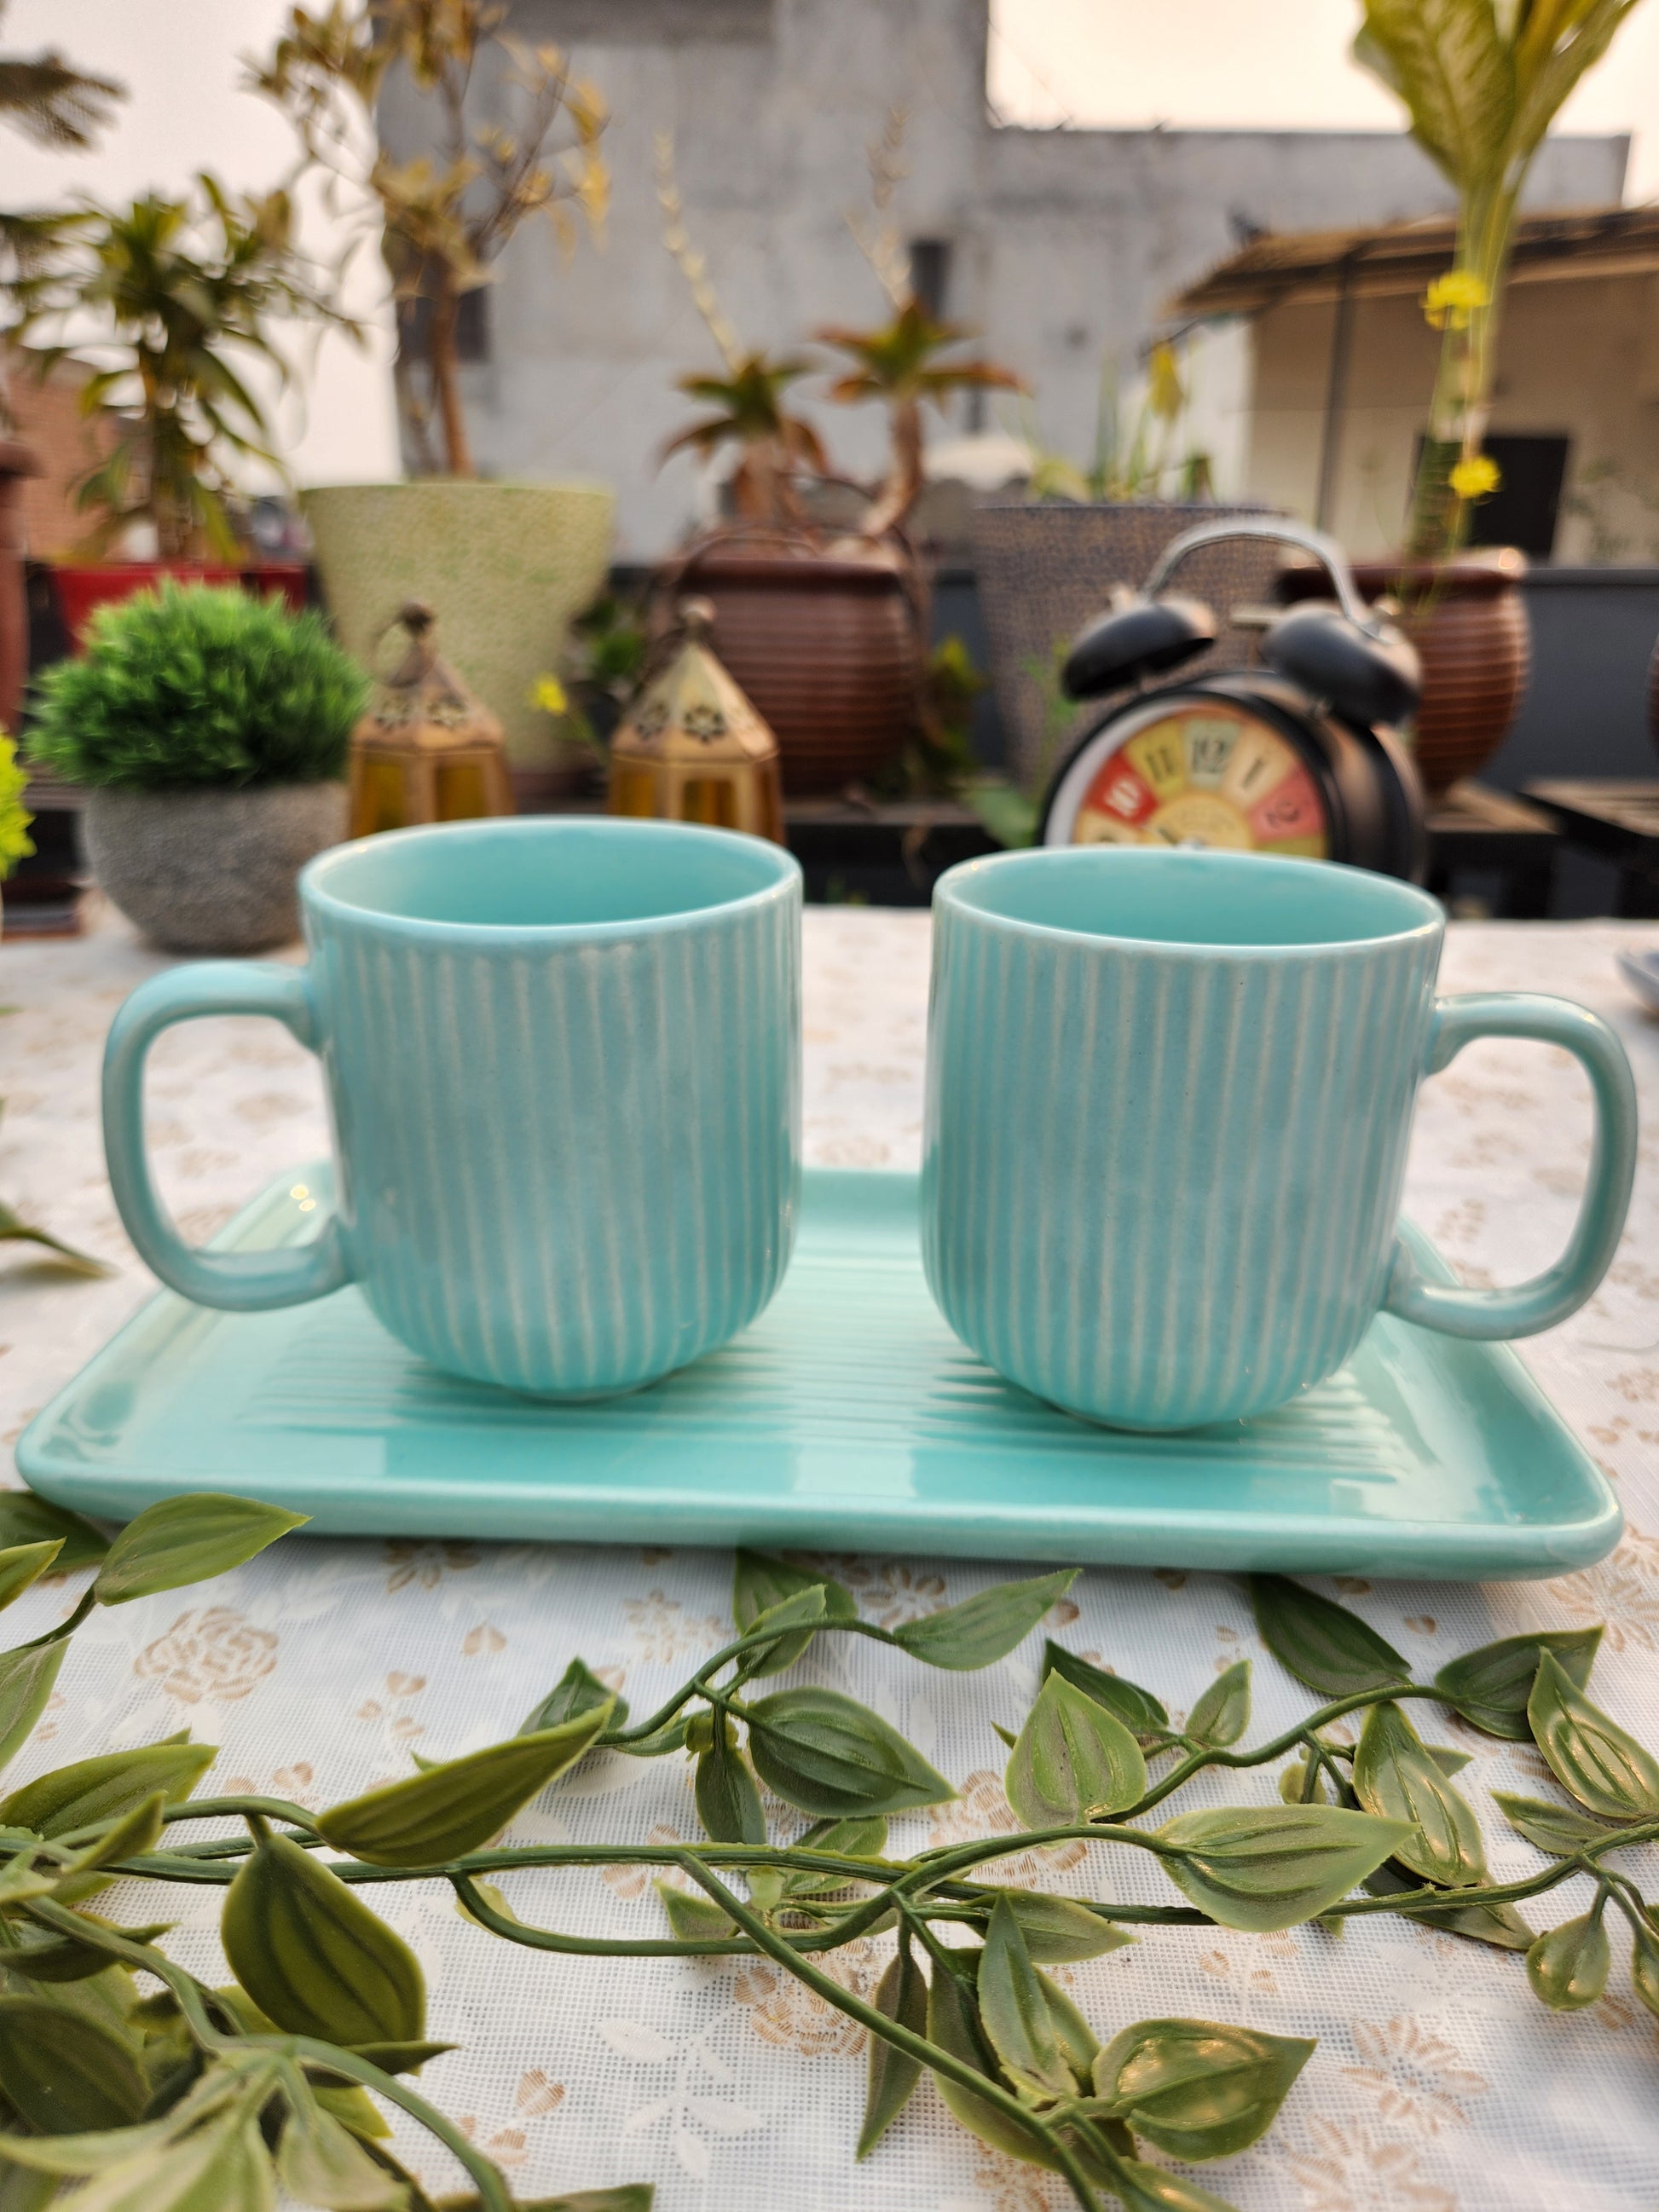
848, 1418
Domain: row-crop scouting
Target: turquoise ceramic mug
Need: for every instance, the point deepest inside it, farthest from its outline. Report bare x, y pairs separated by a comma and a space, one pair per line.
563, 1062
1168, 1096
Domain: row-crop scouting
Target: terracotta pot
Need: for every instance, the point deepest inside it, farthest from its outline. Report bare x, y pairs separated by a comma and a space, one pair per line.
1468, 618
828, 649
15, 462
83, 587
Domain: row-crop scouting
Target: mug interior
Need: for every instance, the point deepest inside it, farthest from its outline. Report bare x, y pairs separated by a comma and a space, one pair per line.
1231, 900
546, 873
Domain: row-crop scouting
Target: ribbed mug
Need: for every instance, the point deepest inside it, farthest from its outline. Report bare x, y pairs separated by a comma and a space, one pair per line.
563, 1062
1169, 1098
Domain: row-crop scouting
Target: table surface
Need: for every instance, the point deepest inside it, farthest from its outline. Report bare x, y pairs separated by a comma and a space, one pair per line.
1439, 2084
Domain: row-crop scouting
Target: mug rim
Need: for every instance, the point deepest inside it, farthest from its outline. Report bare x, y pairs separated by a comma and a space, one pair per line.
316, 898
953, 887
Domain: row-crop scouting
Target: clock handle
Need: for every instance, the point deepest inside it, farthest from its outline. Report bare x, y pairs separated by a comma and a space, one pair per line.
1546, 1299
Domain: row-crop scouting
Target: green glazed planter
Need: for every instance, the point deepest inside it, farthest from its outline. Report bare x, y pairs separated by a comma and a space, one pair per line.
505, 565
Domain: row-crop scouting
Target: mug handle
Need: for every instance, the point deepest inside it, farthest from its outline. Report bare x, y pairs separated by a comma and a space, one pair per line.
1547, 1298
242, 1282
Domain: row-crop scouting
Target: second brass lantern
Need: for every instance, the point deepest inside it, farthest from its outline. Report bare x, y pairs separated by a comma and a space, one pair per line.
692, 748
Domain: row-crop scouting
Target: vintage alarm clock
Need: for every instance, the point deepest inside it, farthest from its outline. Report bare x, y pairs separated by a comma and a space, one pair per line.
1300, 756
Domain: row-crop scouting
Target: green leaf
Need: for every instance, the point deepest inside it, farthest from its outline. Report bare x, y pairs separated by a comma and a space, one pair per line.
631, 2197
1014, 2007
728, 1803
27, 1519
1568, 1967
1144, 2188
1073, 1760
1195, 2089
1137, 1708
1222, 1713
953, 2024
901, 1995
1491, 1687
188, 1539
692, 1918
62, 1959
1589, 1754
27, 1676
1645, 1967
321, 2162
1058, 1930
134, 1833
1397, 1778
311, 1955
758, 1584
577, 1691
23, 1564
1259, 1868
1499, 1925
852, 1839
794, 1612
832, 1757
403, 2055
1560, 1829
1322, 1644
670, 1736
452, 1809
1078, 2041
984, 1628
64, 2071
104, 1789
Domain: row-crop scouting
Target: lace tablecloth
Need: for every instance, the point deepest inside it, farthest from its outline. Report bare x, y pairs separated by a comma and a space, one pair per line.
1439, 2084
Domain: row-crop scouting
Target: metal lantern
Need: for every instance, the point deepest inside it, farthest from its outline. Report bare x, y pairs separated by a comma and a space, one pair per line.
692, 748
428, 750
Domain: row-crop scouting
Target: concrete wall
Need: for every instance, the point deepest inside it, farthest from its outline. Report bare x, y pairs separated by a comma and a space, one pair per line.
1064, 244
1576, 356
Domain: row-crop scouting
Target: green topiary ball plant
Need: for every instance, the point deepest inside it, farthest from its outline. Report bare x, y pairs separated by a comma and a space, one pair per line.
196, 686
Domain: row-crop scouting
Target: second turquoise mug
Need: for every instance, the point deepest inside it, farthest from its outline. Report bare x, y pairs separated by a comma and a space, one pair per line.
1168, 1097
563, 1062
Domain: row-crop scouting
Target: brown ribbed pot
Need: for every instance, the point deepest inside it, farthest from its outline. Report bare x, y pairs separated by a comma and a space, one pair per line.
1468, 618
827, 648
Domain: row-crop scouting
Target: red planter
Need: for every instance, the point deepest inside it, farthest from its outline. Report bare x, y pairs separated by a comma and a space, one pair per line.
84, 586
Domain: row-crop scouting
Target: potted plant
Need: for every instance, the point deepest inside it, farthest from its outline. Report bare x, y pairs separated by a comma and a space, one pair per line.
57, 106
505, 565
1047, 561
173, 298
1480, 87
823, 628
210, 729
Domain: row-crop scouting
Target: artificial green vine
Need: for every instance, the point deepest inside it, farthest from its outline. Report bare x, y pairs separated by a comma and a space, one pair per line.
132, 2087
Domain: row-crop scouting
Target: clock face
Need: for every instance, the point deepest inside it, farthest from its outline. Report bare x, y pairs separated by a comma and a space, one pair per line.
1199, 771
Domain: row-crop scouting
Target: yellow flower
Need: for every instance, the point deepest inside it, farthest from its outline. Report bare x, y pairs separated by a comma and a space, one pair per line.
548, 694
14, 819
1475, 476
1452, 298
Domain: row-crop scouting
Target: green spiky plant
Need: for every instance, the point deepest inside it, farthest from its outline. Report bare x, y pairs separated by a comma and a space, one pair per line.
193, 686
175, 297
1481, 83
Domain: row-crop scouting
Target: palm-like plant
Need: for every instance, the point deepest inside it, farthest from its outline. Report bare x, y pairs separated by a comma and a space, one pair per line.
1481, 82
902, 364
180, 293
750, 413
53, 103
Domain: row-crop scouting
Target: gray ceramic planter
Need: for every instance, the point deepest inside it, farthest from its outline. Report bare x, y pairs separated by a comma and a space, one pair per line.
211, 871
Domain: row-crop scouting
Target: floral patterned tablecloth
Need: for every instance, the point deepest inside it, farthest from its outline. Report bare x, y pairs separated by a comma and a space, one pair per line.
1438, 2084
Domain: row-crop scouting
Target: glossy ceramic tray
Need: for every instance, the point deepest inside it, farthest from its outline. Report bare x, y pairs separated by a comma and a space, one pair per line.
848, 1417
